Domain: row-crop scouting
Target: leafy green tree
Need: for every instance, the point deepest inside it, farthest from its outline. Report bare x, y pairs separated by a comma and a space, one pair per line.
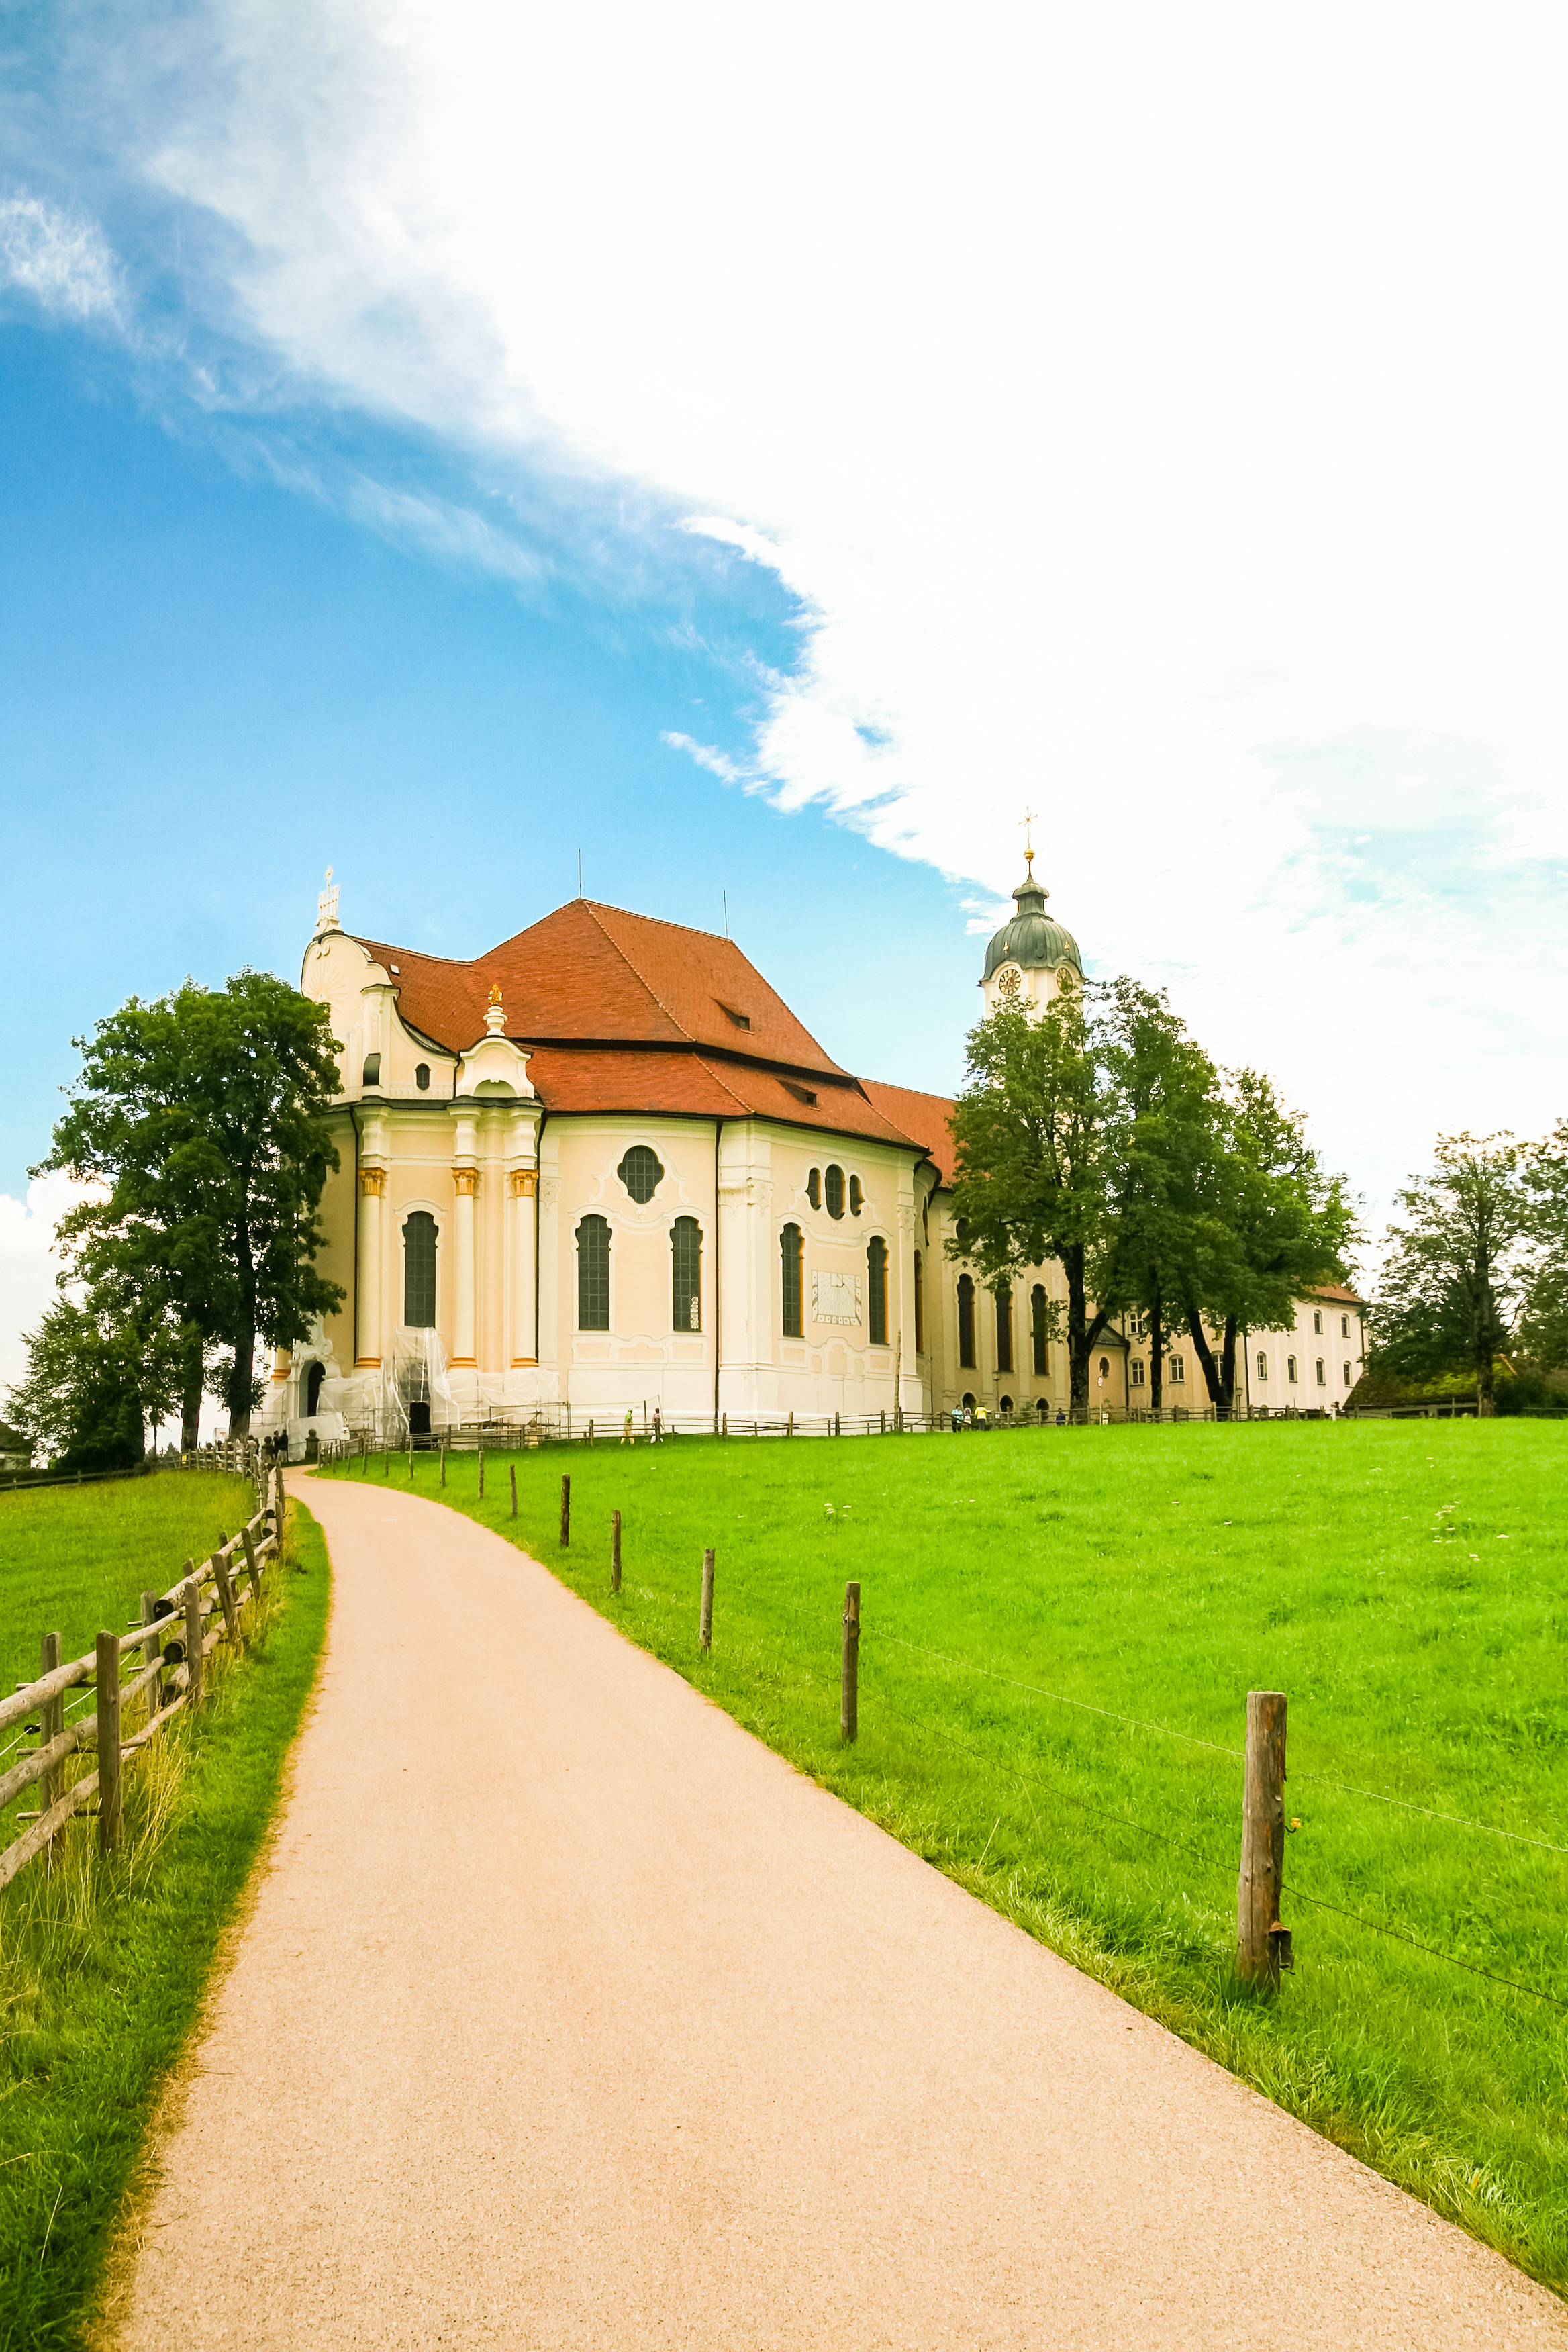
1461, 1263
1544, 1323
202, 1112
1265, 1226
96, 1375
1033, 1130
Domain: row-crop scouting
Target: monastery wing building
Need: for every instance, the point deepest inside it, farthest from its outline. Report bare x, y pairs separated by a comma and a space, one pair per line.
604, 1168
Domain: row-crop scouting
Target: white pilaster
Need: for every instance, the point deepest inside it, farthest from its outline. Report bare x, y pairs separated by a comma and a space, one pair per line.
370, 1275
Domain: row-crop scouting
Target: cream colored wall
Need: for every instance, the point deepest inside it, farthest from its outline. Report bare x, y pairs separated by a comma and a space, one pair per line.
361, 996
950, 1382
1337, 1349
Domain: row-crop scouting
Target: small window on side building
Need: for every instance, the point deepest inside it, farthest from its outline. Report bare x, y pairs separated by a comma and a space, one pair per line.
1322, 1375
1136, 1370
1177, 1367
1262, 1368
1317, 1320
1291, 1367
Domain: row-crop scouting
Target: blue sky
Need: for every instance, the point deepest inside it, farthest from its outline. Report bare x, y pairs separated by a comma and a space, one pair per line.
441, 436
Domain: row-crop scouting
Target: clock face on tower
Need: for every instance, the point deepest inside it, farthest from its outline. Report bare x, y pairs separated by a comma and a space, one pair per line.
1009, 983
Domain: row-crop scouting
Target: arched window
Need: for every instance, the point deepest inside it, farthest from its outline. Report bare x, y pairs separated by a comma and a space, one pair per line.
1317, 1318
920, 1305
594, 1274
1262, 1368
855, 1196
641, 1174
419, 1271
422, 1077
877, 1289
313, 1379
1344, 1326
966, 1322
1347, 1376
1291, 1367
1322, 1376
686, 1262
1038, 1329
833, 1192
1005, 1329
789, 1254
814, 1188
1105, 1368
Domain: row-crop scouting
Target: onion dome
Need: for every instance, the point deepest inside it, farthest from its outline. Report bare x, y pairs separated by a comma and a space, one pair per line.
1030, 939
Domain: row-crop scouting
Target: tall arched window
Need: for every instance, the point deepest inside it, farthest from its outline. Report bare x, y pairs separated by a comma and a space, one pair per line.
833, 1192
877, 1289
920, 1305
593, 1275
419, 1270
686, 1264
966, 1322
789, 1254
1037, 1327
1004, 1329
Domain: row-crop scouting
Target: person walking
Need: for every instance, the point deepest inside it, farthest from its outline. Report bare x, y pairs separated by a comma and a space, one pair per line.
626, 1437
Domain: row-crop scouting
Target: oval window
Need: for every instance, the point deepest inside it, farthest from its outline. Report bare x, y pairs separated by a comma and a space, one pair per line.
814, 1188
833, 1192
855, 1196
422, 1077
640, 1172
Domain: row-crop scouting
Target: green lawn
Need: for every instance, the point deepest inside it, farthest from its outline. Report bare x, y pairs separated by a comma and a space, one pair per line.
75, 1558
103, 1964
1404, 1583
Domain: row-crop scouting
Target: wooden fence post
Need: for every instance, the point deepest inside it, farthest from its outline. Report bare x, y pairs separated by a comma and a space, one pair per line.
590, 1433
51, 1718
789, 1427
481, 1473
850, 1684
411, 1466
705, 1627
514, 1490
106, 1676
725, 1424
252, 1565
566, 1511
1257, 1931
226, 1595
614, 1551
443, 1461
192, 1641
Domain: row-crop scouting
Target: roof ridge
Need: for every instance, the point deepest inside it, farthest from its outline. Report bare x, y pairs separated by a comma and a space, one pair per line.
594, 905
719, 1080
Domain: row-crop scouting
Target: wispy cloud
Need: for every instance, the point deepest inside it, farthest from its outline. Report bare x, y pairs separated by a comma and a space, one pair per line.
718, 764
62, 260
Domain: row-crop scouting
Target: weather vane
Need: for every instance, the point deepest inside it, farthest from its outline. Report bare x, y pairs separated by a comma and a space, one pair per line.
327, 906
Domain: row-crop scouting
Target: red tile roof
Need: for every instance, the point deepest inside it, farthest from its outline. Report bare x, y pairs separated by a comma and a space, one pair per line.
925, 1119
623, 1013
1338, 1290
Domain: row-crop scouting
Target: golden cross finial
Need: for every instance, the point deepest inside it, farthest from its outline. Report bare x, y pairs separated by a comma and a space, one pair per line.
1029, 816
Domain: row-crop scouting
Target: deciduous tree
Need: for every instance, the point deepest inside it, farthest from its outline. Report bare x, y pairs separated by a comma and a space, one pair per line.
1462, 1261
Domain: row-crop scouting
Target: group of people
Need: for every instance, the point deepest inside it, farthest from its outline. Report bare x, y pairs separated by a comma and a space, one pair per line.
655, 1436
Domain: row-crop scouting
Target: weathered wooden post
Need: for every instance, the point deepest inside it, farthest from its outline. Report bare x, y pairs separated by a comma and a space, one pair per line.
836, 1430
226, 1595
481, 1473
614, 1551
1258, 1934
849, 1686
252, 1565
443, 1461
590, 1433
192, 1641
724, 1428
789, 1425
411, 1466
566, 1511
151, 1651
107, 1677
705, 1627
513, 1468
52, 1719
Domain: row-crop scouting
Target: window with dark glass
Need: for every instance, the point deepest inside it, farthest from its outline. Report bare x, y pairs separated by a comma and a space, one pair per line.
855, 1196
1004, 1330
686, 1259
789, 1254
965, 1322
641, 1174
814, 1188
593, 1275
877, 1289
419, 1271
422, 1077
1037, 1325
833, 1192
961, 1232
920, 1305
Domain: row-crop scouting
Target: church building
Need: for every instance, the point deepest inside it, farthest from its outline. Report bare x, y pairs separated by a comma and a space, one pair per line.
604, 1167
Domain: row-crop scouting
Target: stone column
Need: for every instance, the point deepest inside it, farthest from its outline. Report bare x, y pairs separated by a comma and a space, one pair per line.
524, 1337
466, 1181
372, 1185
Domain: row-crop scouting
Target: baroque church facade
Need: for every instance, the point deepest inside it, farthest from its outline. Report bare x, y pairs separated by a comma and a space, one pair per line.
604, 1168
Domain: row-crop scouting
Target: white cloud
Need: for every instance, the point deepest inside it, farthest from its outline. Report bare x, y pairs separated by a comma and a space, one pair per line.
59, 257
1156, 412
28, 1267
718, 764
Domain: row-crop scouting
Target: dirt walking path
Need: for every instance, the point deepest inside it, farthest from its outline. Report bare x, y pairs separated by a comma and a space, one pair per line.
568, 2016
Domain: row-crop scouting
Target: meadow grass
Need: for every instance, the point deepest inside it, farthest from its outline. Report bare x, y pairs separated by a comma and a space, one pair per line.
1402, 1583
103, 1962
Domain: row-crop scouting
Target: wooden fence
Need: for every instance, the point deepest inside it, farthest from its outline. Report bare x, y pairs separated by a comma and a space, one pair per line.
165, 1653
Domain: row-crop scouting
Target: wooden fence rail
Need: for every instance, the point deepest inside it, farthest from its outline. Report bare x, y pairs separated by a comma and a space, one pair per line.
206, 1606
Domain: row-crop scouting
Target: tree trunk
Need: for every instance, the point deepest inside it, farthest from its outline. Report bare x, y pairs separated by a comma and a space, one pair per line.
1077, 1332
191, 1393
241, 1380
1205, 1353
1226, 1398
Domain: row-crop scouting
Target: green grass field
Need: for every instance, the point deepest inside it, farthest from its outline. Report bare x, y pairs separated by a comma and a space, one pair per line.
103, 1963
1405, 1584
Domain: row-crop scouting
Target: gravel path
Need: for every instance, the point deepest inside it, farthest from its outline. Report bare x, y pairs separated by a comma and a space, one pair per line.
567, 2016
